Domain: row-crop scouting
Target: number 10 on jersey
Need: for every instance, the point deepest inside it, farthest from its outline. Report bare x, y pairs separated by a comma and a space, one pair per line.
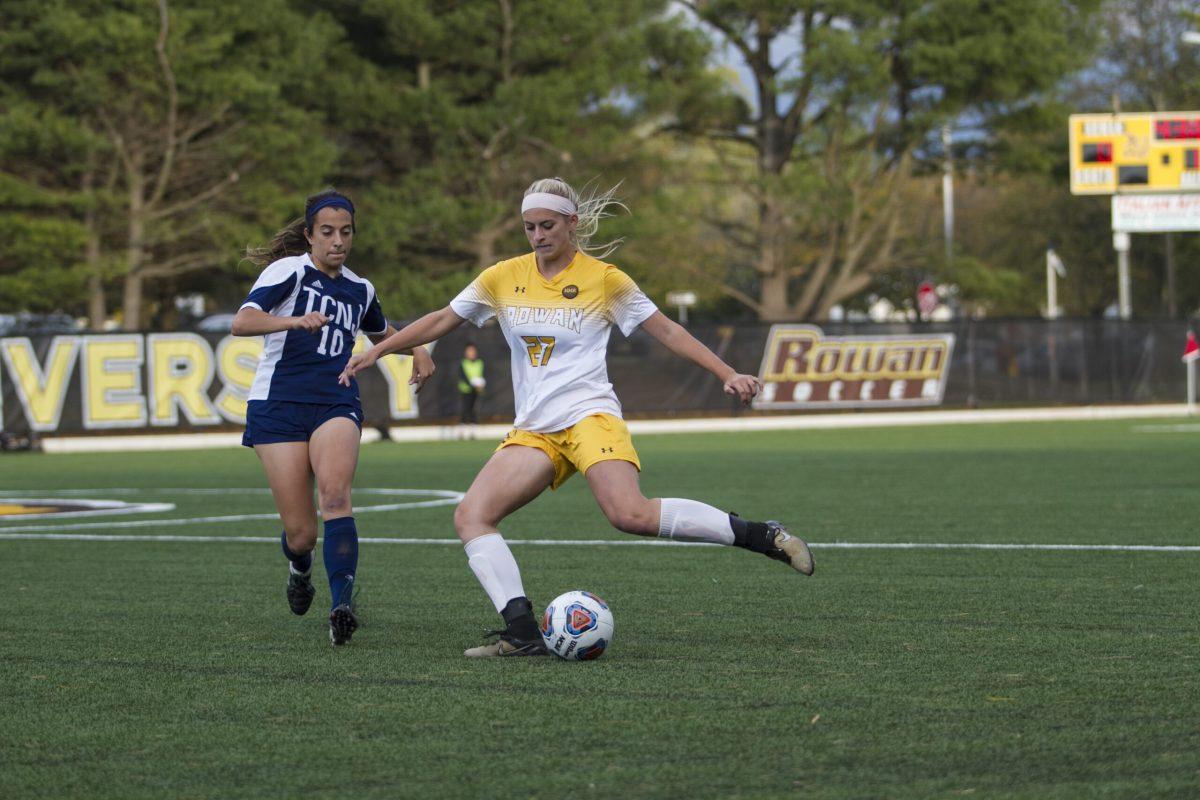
335, 347
540, 348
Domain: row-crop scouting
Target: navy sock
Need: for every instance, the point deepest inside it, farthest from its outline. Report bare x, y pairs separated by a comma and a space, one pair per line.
301, 561
341, 558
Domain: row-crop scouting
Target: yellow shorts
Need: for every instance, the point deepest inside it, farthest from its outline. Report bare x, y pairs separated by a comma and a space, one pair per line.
600, 437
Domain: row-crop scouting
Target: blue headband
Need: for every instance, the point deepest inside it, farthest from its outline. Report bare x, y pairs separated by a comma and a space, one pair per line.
333, 201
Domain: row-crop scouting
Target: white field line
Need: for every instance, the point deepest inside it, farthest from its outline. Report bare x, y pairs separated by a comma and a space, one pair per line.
88, 537
94, 508
151, 523
445, 497
873, 419
1185, 428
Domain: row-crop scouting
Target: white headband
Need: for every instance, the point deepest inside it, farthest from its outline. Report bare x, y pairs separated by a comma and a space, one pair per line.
551, 202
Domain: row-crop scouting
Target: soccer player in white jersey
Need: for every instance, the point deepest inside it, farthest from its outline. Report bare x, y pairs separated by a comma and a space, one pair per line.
556, 307
302, 422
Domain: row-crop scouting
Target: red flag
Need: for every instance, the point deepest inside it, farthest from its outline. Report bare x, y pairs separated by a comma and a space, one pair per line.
1191, 351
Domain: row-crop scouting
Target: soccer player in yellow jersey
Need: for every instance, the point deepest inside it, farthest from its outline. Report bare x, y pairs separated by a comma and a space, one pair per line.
556, 307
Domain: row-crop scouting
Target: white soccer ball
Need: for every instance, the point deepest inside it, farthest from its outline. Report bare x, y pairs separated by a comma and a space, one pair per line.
577, 626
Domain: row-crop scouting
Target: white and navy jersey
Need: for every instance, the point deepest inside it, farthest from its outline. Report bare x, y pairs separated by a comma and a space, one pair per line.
303, 367
558, 332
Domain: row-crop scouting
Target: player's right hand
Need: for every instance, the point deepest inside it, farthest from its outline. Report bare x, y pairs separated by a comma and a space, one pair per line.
312, 322
355, 365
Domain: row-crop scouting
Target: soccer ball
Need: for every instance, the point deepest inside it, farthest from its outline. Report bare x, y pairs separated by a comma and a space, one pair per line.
577, 626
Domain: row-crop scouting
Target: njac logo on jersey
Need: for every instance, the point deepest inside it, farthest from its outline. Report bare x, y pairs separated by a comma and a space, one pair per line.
803, 368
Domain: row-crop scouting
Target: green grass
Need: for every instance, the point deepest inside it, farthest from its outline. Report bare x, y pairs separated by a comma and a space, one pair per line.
132, 670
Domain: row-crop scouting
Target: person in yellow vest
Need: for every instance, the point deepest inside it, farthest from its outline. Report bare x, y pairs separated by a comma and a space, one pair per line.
471, 383
556, 307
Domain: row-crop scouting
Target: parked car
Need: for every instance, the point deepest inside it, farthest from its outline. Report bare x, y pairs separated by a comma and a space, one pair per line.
215, 323
25, 323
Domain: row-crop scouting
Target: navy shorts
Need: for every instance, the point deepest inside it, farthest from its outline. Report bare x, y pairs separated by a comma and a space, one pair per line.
270, 421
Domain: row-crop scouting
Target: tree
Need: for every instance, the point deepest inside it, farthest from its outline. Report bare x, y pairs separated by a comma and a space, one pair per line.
463, 104
845, 98
175, 138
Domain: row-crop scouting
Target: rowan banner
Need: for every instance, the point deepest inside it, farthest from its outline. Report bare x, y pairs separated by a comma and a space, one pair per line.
804, 368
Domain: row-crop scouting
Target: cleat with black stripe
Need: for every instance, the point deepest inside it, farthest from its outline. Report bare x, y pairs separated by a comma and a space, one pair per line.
791, 550
300, 591
520, 636
343, 622
507, 646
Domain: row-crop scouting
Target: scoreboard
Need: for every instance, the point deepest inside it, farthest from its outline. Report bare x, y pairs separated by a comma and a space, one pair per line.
1135, 153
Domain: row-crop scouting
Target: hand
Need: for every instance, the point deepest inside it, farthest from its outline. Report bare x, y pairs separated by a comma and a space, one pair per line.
357, 364
422, 368
744, 386
312, 322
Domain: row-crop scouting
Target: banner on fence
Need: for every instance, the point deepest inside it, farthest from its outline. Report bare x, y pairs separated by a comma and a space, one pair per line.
130, 381
804, 368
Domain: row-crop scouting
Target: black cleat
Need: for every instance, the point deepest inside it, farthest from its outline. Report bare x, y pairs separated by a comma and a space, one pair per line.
300, 592
520, 636
342, 624
508, 645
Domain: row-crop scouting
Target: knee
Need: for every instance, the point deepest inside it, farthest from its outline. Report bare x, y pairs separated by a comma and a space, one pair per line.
301, 538
468, 520
335, 502
635, 518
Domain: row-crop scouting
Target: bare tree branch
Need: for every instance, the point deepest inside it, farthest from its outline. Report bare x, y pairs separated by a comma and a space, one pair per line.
180, 264
168, 159
197, 199
741, 235
722, 287
118, 141
203, 123
734, 38
793, 119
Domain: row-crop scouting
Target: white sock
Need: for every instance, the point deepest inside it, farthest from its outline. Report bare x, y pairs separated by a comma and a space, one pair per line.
690, 521
494, 566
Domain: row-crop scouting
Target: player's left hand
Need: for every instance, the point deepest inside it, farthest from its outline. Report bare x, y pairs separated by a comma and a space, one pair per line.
744, 386
355, 365
422, 368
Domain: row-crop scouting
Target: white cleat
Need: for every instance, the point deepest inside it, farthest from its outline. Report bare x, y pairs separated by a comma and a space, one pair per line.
789, 549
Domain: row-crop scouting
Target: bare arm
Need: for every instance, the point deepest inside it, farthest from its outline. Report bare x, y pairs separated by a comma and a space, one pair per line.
376, 338
422, 367
675, 338
251, 321
433, 325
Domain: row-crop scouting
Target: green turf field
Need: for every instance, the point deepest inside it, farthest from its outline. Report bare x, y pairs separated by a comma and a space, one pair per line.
174, 669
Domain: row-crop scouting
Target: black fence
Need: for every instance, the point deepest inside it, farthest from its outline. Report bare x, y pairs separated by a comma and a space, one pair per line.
994, 363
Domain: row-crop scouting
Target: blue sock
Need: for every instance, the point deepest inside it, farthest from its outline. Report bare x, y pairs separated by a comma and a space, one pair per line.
341, 558
302, 562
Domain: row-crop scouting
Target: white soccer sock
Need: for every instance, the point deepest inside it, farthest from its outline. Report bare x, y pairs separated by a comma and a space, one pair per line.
494, 566
690, 521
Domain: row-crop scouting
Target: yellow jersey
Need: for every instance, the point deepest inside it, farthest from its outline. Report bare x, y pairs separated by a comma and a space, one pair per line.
557, 331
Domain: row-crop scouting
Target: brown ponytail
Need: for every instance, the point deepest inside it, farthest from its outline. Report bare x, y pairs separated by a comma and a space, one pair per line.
290, 241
